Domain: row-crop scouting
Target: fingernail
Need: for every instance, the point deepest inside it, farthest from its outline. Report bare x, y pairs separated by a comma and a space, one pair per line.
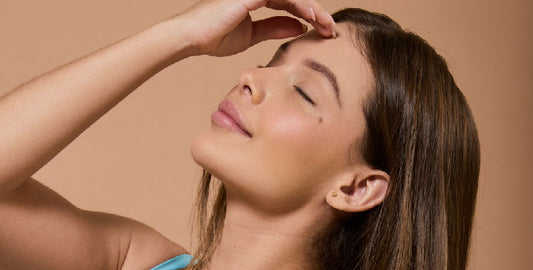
333, 33
330, 18
304, 28
313, 16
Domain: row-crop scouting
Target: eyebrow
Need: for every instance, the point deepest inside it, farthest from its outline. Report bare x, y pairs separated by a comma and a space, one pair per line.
324, 70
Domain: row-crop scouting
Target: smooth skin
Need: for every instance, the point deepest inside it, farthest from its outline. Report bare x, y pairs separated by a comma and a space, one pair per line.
270, 221
280, 181
40, 229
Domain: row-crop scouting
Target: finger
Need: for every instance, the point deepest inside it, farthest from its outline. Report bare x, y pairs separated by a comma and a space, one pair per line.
253, 4
324, 22
276, 28
309, 10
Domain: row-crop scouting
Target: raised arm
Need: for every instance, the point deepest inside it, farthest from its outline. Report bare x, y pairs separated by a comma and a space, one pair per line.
39, 229
42, 116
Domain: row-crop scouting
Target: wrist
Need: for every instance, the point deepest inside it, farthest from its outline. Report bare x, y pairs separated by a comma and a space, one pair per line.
175, 42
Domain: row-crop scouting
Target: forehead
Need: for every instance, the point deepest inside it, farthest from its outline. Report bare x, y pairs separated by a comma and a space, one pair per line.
342, 55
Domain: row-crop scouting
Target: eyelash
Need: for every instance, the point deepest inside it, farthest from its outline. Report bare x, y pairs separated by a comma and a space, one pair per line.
304, 95
299, 90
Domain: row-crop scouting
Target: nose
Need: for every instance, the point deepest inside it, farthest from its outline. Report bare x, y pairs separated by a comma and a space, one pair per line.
251, 84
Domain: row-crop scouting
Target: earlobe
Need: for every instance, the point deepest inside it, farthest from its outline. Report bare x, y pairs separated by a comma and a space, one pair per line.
364, 191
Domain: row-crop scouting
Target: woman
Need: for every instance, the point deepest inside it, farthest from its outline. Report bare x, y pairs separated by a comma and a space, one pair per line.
352, 149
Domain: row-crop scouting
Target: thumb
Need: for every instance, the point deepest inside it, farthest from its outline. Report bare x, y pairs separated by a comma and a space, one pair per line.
276, 28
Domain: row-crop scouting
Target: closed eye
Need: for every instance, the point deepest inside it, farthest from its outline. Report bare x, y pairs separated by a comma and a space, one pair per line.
298, 89
304, 95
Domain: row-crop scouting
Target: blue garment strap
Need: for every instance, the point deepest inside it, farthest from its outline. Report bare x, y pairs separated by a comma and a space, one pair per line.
178, 262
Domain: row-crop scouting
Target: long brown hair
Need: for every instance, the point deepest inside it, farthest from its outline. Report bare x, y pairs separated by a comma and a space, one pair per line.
419, 129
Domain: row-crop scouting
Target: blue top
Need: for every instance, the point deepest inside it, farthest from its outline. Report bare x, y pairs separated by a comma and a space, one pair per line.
178, 262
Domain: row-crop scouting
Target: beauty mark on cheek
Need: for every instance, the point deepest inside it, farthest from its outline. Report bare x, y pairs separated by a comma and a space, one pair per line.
320, 120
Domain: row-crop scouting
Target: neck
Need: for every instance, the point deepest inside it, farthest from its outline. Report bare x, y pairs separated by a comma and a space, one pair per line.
256, 241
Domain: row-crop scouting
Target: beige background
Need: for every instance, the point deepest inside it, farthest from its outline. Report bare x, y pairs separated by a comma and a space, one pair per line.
135, 161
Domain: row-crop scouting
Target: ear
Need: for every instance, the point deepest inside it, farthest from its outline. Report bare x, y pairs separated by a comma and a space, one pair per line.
365, 189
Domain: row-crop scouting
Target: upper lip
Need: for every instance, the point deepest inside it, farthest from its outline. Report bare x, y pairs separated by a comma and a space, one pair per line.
232, 111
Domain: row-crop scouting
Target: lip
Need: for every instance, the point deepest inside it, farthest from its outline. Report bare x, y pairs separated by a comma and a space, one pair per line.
229, 117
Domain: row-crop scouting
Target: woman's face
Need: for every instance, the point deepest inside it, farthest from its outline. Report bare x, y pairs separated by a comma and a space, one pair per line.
300, 116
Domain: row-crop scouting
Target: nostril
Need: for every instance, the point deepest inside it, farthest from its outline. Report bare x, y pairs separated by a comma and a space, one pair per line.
247, 88
255, 95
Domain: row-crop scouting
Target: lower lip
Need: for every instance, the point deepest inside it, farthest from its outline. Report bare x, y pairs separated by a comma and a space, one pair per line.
223, 120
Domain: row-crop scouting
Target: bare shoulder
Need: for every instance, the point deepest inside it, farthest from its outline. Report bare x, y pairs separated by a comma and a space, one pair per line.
146, 246
42, 230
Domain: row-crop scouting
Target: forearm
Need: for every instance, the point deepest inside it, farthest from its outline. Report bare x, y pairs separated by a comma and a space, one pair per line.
41, 117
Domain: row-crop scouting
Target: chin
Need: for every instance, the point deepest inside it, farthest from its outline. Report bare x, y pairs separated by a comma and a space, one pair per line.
201, 150
215, 154
220, 156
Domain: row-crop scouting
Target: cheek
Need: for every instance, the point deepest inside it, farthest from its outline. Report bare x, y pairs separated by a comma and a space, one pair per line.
291, 130
296, 147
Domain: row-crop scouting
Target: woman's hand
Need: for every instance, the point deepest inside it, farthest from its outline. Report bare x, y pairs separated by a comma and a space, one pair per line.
224, 27
41, 117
